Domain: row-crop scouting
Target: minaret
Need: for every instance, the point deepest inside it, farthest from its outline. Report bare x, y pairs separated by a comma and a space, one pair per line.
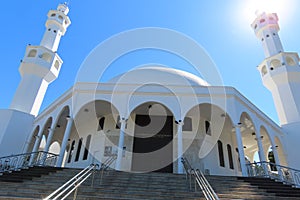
41, 64
280, 71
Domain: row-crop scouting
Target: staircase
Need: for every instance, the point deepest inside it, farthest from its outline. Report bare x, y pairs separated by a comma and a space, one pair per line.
36, 183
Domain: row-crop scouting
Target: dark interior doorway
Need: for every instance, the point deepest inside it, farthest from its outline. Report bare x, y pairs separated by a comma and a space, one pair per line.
152, 144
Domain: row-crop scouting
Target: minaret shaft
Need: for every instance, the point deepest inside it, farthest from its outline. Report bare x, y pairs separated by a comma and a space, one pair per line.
41, 64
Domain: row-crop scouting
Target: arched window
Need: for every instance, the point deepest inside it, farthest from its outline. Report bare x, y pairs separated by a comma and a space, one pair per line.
275, 64
290, 61
56, 64
71, 151
46, 57
53, 15
264, 70
87, 147
207, 128
221, 154
78, 150
229, 151
101, 124
60, 17
187, 124
32, 53
118, 123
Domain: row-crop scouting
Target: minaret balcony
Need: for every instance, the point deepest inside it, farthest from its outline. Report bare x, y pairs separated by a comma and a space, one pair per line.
42, 62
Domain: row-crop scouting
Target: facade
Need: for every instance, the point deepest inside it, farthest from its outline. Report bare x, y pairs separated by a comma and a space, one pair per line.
149, 127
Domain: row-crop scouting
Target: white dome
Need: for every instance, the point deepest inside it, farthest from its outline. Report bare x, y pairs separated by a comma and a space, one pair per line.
159, 75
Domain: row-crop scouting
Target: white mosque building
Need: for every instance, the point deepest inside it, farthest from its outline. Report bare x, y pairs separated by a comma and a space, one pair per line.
149, 127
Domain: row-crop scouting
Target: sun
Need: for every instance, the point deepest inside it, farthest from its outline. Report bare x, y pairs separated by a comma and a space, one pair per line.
282, 7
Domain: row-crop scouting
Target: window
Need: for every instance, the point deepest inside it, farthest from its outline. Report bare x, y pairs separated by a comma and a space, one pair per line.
60, 17
207, 128
71, 151
187, 125
87, 147
275, 63
78, 150
264, 70
46, 57
56, 65
290, 61
118, 123
32, 53
101, 124
229, 151
53, 15
221, 154
262, 20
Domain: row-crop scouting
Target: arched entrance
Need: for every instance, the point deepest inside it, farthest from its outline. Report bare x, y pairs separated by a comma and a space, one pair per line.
152, 142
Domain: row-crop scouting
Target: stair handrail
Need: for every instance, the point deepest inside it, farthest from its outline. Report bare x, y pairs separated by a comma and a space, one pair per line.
72, 184
272, 170
25, 160
106, 164
200, 179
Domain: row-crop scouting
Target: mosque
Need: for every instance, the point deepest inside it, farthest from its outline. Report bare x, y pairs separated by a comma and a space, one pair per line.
152, 116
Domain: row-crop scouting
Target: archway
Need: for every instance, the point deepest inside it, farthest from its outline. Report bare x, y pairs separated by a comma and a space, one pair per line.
152, 148
280, 151
95, 122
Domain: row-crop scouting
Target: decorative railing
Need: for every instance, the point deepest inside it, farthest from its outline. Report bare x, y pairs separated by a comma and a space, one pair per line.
72, 185
21, 161
197, 177
281, 173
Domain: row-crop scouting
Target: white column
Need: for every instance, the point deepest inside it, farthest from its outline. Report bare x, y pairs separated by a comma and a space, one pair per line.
275, 153
36, 145
261, 152
121, 144
179, 147
64, 142
241, 150
49, 139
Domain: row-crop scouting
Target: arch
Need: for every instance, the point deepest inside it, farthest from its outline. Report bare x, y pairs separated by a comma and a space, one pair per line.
275, 63
33, 139
54, 148
137, 103
280, 150
264, 70
71, 151
32, 53
60, 17
290, 61
53, 15
248, 136
56, 64
221, 154
152, 128
230, 158
78, 149
266, 142
47, 57
87, 147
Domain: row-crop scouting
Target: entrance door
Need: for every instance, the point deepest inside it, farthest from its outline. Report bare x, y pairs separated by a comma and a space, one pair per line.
152, 144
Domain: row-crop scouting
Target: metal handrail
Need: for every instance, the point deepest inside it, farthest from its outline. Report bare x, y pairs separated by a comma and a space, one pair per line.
281, 173
200, 179
66, 189
106, 164
25, 160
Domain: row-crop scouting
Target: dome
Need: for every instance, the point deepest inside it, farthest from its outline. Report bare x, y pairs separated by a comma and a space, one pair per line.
158, 75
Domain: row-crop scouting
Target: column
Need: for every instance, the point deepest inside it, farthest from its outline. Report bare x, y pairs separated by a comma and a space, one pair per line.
36, 145
241, 150
121, 144
179, 147
49, 139
64, 142
275, 152
261, 152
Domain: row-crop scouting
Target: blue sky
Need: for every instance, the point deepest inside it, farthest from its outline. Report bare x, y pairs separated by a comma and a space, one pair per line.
222, 28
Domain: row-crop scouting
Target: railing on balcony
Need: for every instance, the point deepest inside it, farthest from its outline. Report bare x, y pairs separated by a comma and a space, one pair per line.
21, 161
281, 173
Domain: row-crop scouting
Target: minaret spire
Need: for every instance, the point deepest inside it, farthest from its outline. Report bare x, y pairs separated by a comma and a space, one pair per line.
41, 64
280, 71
